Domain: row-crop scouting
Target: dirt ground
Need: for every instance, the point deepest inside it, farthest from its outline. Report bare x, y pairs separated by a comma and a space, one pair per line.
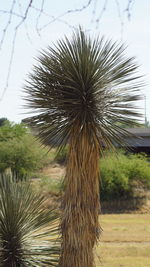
54, 170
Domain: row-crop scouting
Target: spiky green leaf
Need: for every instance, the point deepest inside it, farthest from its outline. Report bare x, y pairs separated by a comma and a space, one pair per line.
28, 231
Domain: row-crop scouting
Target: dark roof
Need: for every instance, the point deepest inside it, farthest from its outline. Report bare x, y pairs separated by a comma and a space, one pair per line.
139, 131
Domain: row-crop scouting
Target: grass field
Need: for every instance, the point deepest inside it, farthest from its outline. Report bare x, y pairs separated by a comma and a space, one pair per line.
125, 241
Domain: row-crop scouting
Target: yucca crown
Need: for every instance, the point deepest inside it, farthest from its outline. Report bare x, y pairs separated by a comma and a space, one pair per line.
85, 82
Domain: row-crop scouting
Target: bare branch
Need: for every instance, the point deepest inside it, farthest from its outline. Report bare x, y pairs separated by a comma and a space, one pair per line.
25, 25
52, 17
41, 11
8, 23
94, 10
22, 15
66, 13
10, 65
13, 48
101, 13
25, 14
128, 9
8, 12
120, 17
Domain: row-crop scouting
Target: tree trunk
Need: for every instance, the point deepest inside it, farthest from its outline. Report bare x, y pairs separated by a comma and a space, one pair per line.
81, 206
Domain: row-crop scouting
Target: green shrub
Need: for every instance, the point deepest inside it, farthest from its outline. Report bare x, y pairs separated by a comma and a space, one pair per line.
10, 130
20, 151
119, 172
139, 169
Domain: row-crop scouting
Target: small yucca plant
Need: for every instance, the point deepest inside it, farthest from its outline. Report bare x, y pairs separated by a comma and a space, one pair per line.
28, 232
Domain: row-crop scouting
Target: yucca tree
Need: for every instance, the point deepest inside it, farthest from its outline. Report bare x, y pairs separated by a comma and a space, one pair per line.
81, 90
28, 232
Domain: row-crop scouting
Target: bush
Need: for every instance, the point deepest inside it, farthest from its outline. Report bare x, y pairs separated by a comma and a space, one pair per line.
10, 130
20, 151
139, 169
120, 172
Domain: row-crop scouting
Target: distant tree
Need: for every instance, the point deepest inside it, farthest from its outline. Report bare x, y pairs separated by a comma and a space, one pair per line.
10, 130
2, 121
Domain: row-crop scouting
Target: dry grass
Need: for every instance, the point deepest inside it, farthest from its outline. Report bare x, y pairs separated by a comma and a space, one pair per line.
125, 241
53, 171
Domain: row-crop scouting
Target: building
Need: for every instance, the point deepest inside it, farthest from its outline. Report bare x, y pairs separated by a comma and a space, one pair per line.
139, 141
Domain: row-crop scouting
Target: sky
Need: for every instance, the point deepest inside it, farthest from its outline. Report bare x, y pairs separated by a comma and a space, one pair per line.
42, 29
